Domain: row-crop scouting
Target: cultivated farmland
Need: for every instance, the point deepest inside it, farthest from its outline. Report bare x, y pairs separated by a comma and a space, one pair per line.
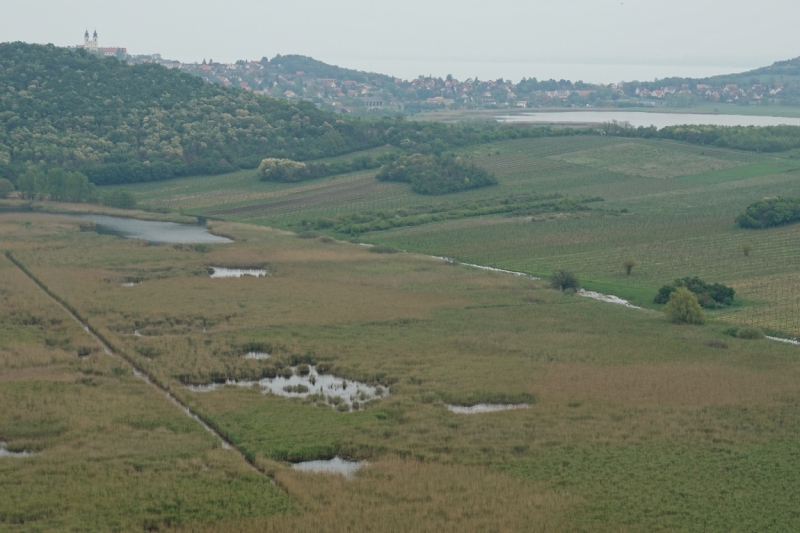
669, 205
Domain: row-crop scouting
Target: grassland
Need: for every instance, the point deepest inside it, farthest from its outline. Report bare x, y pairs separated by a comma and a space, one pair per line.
636, 425
668, 205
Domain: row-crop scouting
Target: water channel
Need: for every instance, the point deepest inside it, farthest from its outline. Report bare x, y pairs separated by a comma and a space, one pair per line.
647, 119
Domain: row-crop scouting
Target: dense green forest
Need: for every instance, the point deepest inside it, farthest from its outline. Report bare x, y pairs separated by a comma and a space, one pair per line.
770, 212
436, 174
119, 123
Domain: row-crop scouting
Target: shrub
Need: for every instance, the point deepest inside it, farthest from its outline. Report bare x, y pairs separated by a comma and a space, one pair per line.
747, 248
731, 331
683, 308
564, 279
750, 332
628, 265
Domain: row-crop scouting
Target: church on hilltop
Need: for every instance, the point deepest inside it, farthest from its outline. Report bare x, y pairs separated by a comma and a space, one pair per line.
90, 44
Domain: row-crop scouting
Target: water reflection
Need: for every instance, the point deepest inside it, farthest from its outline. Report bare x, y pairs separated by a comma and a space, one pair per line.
152, 231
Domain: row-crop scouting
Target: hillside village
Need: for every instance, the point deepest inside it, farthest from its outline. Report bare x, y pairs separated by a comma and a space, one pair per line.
344, 90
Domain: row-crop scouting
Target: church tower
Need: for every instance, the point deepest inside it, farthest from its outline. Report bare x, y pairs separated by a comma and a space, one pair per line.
94, 40
86, 41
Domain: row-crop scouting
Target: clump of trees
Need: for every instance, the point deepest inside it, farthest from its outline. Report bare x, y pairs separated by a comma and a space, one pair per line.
770, 212
287, 170
684, 308
59, 185
709, 296
284, 170
56, 184
436, 174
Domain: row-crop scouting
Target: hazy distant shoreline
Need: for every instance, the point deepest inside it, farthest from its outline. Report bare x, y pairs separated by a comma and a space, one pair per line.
515, 71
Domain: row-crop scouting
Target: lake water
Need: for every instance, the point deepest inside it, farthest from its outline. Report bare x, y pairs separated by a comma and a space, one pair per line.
152, 231
643, 118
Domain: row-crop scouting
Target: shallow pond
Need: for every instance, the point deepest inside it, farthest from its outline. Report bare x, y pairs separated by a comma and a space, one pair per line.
337, 465
339, 393
258, 356
221, 272
485, 408
152, 231
643, 118
5, 453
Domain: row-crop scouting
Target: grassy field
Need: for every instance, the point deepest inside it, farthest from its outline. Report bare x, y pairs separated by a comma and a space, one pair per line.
668, 205
635, 425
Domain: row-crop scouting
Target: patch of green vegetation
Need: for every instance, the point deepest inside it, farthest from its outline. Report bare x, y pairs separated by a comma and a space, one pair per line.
738, 173
516, 206
436, 175
770, 212
666, 487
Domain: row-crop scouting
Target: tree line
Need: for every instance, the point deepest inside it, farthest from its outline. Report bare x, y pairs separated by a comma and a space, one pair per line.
747, 138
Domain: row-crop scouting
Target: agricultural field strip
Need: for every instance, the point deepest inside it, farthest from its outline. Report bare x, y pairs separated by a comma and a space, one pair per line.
255, 191
137, 371
331, 195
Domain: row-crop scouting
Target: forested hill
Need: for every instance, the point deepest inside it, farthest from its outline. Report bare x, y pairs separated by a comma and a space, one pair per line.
122, 123
309, 66
119, 123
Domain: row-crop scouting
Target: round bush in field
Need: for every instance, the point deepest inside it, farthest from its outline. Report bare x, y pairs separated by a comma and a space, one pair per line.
750, 332
564, 279
683, 308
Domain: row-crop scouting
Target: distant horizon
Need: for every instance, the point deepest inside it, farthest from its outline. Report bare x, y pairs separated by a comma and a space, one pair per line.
689, 34
613, 70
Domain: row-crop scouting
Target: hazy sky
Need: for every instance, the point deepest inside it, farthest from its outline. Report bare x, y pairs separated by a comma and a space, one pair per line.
390, 36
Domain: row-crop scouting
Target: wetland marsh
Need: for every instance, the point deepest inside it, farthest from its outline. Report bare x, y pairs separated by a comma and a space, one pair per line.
609, 389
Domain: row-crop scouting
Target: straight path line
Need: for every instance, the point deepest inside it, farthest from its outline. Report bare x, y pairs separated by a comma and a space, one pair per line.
138, 372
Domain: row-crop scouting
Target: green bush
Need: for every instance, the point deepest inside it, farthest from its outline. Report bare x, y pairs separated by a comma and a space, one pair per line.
683, 308
564, 280
750, 332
